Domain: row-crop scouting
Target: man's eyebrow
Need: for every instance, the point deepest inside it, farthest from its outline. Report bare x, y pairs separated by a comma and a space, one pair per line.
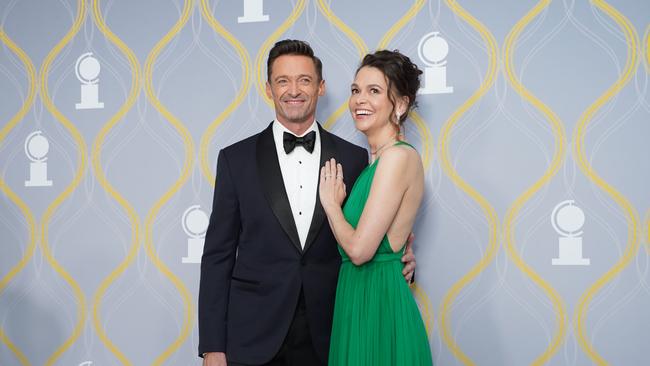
297, 77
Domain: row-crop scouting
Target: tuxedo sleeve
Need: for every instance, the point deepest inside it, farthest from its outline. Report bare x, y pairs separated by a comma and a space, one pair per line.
218, 260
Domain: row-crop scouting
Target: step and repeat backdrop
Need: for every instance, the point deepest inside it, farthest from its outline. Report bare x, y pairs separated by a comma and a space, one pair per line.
533, 125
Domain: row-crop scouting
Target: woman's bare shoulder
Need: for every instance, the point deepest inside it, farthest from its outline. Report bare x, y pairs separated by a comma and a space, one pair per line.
401, 155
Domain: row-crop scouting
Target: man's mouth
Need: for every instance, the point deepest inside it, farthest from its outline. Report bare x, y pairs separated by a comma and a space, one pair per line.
294, 101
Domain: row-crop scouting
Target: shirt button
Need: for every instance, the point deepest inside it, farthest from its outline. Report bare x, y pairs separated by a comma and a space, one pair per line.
299, 162
300, 213
301, 186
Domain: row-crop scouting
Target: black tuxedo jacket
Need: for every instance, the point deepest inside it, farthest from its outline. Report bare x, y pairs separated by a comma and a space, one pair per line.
253, 267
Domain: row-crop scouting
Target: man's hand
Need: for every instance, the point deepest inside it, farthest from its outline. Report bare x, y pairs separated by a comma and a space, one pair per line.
409, 260
215, 359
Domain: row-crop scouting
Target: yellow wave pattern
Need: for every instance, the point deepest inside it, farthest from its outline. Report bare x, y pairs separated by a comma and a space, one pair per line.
206, 165
631, 65
356, 39
647, 231
81, 168
134, 220
185, 174
426, 309
358, 43
556, 163
646, 46
401, 22
450, 171
13, 197
266, 46
15, 350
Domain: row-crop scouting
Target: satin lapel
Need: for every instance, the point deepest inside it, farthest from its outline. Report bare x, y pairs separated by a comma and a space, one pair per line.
268, 169
327, 151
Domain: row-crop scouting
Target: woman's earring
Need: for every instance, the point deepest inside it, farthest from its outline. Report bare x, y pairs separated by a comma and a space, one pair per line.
397, 116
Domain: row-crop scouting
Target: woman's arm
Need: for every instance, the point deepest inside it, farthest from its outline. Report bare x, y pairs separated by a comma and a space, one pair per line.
388, 188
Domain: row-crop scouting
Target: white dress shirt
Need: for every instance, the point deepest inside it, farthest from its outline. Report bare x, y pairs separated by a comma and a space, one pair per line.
300, 175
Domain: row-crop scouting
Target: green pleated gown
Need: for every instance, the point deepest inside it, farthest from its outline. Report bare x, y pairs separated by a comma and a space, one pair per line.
376, 320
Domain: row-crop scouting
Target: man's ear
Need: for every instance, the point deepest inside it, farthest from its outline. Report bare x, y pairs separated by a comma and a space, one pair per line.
269, 92
321, 88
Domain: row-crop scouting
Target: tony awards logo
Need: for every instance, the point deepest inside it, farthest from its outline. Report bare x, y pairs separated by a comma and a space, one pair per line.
433, 50
567, 220
87, 69
253, 12
36, 148
195, 224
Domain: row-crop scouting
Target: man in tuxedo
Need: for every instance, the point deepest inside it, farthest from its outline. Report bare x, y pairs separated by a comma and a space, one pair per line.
270, 262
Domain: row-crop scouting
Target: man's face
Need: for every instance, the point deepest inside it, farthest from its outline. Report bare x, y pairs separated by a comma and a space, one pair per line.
294, 88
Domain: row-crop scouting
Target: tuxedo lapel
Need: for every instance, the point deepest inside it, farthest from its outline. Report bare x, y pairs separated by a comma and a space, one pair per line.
327, 151
268, 169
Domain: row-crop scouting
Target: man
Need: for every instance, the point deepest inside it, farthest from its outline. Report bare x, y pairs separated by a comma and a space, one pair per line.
270, 263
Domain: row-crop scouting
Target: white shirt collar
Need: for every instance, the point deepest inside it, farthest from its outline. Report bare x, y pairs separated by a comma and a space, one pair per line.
280, 127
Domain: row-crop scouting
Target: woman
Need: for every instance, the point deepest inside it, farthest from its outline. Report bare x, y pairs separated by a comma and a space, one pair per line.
376, 320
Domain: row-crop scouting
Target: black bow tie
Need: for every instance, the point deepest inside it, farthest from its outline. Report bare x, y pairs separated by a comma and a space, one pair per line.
290, 141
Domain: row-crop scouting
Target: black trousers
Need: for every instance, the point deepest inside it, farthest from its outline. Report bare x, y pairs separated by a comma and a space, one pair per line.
297, 348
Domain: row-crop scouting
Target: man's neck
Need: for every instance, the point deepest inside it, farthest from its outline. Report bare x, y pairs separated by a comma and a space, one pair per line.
297, 129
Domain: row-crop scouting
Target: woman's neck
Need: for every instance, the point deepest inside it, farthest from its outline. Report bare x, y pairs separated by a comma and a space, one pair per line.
380, 141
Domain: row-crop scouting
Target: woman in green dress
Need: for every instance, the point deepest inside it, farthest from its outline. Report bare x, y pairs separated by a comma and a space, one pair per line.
376, 320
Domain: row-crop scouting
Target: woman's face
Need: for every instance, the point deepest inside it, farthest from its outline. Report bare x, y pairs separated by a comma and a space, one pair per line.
369, 103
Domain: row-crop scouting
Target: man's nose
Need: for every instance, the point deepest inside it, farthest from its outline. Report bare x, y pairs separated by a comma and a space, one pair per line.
294, 89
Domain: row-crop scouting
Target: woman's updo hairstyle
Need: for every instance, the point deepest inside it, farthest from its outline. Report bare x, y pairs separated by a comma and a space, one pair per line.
402, 76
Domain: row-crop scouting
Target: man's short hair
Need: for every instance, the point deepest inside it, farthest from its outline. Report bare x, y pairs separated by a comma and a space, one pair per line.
293, 47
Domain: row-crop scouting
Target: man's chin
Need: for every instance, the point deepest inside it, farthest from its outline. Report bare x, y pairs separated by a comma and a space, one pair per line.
298, 120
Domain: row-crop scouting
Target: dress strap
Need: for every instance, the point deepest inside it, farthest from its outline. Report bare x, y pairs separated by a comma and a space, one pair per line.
400, 142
